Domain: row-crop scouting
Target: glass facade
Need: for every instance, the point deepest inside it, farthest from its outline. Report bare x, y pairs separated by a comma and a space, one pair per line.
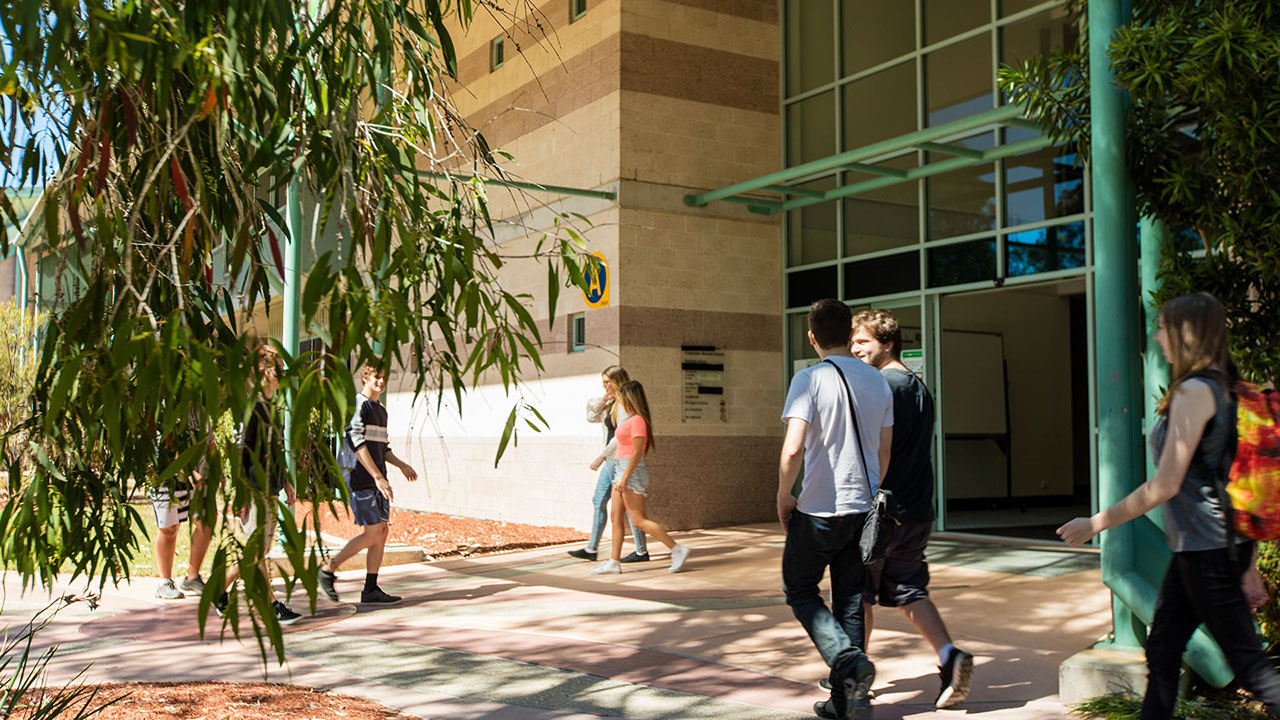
859, 72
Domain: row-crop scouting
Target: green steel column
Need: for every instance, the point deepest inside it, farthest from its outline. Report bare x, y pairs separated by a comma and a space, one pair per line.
1155, 369
1115, 308
293, 271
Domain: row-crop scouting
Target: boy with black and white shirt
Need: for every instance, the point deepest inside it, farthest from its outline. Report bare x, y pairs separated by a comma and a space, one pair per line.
366, 452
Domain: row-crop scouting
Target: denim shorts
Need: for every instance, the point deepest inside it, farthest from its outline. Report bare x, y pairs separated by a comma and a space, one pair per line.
639, 480
369, 507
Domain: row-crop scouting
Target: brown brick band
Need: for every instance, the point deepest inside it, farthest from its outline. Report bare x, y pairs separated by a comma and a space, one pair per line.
708, 480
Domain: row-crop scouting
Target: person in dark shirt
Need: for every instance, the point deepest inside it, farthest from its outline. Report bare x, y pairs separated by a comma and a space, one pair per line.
262, 459
901, 579
365, 454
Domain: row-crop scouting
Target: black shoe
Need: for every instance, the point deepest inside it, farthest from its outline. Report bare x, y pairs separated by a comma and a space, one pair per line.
583, 554
284, 615
220, 605
826, 709
325, 580
857, 689
955, 675
635, 557
377, 597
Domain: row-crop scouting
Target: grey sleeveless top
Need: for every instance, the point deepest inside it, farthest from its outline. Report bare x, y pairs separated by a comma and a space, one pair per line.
1194, 519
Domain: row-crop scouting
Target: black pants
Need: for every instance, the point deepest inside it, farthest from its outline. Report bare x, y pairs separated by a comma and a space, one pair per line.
1204, 587
814, 544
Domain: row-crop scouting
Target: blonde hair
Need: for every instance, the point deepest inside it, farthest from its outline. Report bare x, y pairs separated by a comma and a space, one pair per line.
632, 394
883, 326
368, 368
1195, 328
268, 364
617, 377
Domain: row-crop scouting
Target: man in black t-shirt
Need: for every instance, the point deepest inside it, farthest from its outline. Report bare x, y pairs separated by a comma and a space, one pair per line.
901, 579
364, 457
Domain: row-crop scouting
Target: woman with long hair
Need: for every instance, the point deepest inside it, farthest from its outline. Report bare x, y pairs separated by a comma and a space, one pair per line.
1193, 441
631, 480
608, 411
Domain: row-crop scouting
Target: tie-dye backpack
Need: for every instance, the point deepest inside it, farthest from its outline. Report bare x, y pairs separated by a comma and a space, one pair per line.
1253, 482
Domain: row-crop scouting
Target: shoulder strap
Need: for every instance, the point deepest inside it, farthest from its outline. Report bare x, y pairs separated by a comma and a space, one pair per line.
853, 413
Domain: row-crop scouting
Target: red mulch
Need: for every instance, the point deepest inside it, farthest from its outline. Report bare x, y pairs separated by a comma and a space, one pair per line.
228, 701
443, 535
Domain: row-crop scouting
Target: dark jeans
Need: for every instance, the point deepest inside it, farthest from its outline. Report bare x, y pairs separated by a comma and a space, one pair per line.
813, 545
1204, 587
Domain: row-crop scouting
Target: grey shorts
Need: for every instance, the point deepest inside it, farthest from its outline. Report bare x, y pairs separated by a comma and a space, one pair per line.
369, 507
639, 480
902, 577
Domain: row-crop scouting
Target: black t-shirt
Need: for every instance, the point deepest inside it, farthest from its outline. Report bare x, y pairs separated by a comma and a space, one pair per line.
368, 429
910, 475
263, 445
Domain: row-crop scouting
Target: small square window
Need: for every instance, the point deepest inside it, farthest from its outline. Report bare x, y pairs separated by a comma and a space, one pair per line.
497, 53
577, 332
577, 8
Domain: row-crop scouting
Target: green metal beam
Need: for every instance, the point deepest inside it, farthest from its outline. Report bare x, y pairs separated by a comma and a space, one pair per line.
950, 150
923, 171
999, 116
876, 170
532, 187
792, 190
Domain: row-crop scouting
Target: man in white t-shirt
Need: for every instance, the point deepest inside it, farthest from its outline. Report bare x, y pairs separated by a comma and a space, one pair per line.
842, 470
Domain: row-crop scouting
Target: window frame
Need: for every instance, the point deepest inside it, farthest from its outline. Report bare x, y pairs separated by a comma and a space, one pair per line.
497, 52
577, 332
577, 9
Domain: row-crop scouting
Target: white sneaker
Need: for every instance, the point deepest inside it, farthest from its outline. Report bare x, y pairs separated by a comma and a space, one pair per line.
679, 554
607, 567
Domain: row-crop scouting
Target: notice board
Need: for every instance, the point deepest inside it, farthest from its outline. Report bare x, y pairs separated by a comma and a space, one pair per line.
702, 370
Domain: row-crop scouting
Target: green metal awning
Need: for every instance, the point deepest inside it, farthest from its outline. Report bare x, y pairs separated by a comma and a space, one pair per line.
934, 140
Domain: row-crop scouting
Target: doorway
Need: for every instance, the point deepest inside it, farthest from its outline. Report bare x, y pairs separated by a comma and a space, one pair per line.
1014, 409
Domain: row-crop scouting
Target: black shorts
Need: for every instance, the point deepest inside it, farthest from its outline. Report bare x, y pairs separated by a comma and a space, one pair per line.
369, 507
902, 577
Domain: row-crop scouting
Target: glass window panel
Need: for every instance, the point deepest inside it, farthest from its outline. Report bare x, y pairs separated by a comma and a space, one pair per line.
884, 218
811, 129
806, 286
877, 31
800, 347
958, 80
880, 106
1042, 185
811, 236
962, 263
810, 44
1060, 247
946, 18
1036, 36
962, 202
883, 275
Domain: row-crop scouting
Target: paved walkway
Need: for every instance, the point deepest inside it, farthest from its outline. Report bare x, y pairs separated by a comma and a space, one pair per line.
533, 636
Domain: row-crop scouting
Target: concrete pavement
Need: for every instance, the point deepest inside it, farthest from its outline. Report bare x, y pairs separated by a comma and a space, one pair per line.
532, 635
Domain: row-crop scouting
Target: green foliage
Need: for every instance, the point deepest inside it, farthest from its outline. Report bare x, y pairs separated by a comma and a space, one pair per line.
18, 362
1269, 614
1203, 140
1215, 707
24, 687
176, 133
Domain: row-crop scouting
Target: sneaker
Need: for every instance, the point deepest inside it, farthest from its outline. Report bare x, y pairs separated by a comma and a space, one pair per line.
169, 591
857, 688
679, 554
377, 597
220, 605
583, 554
825, 684
325, 580
284, 614
955, 676
636, 557
608, 567
193, 585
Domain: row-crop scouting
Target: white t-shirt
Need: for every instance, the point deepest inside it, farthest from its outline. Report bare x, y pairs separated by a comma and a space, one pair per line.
835, 482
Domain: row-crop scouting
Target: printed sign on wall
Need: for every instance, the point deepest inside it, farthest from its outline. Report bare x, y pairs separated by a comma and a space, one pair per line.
597, 275
702, 374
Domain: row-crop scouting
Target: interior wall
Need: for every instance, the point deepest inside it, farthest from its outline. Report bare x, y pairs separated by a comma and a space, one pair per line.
1036, 328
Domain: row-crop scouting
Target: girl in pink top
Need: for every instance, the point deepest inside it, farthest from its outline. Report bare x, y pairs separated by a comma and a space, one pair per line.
631, 481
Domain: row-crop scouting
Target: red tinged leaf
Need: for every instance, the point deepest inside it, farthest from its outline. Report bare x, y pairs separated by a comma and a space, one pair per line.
275, 251
210, 100
188, 238
130, 117
86, 149
208, 276
179, 181
104, 163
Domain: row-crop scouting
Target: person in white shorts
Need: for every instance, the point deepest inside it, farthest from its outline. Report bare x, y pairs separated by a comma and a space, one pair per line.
171, 509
